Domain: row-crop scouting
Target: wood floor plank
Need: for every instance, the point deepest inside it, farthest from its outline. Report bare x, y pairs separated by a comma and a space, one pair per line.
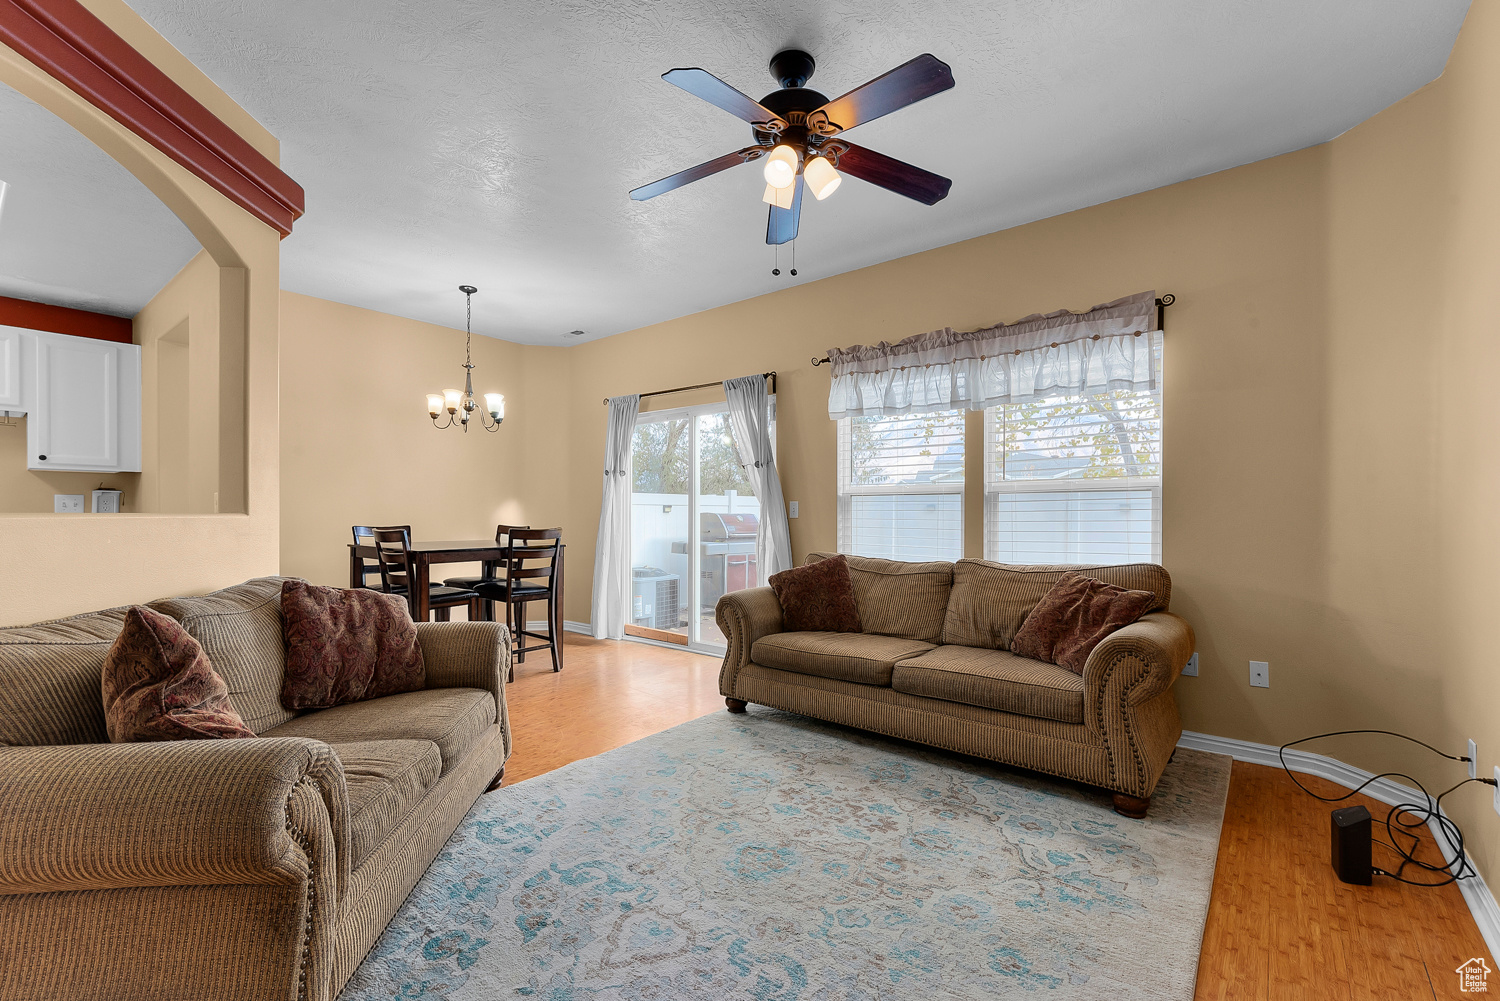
1280, 927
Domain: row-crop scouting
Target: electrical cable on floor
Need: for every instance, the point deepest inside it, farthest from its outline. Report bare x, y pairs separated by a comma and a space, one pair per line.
1403, 817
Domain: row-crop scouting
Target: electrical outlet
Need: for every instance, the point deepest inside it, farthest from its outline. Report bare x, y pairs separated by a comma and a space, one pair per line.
1260, 674
1473, 760
791, 510
1191, 670
1497, 789
67, 503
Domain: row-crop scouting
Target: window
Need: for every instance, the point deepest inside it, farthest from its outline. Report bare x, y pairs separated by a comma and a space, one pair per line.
901, 486
1074, 479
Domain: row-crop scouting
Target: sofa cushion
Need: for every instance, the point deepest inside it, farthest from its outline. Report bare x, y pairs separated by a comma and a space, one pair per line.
991, 600
345, 645
993, 679
908, 600
857, 657
385, 778
452, 718
240, 629
158, 685
817, 597
1074, 616
50, 676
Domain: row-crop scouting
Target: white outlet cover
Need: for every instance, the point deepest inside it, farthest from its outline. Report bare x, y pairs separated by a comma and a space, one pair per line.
1191, 669
1473, 760
791, 509
1260, 674
1497, 789
67, 503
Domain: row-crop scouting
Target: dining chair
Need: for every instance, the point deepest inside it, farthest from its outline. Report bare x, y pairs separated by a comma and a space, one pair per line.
393, 546
491, 570
364, 535
530, 574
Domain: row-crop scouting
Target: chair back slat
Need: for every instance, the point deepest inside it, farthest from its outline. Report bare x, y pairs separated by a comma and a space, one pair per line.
393, 549
530, 546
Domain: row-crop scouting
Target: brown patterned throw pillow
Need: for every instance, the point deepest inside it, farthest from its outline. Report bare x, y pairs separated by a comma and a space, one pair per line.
817, 597
158, 685
346, 645
1074, 616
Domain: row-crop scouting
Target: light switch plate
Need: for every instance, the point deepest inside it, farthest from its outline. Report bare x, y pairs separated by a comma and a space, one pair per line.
1191, 670
1473, 760
791, 510
1497, 789
67, 503
1260, 674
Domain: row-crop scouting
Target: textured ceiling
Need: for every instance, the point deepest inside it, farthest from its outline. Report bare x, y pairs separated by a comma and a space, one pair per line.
449, 141
76, 228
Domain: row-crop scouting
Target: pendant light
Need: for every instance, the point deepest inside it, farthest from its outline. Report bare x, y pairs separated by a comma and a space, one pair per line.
781, 167
455, 401
820, 176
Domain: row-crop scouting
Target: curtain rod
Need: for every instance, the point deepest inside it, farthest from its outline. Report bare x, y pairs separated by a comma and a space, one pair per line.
1166, 299
770, 387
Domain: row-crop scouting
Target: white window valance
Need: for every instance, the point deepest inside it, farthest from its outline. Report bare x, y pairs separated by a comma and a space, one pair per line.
1109, 347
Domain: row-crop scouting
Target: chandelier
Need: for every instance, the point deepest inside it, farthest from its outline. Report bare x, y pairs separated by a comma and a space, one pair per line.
453, 401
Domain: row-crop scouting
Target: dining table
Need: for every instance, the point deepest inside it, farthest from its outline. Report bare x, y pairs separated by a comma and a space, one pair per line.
425, 554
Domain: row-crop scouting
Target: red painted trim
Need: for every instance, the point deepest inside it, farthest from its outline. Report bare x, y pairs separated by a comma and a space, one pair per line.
65, 39
63, 320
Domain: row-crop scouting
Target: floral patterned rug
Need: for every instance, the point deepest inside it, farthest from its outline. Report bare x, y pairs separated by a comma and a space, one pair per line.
775, 858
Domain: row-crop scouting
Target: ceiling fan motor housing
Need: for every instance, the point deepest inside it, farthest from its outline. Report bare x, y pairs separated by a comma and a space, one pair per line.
792, 68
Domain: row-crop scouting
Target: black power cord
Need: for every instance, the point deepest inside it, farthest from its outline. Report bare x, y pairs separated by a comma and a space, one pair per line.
1404, 817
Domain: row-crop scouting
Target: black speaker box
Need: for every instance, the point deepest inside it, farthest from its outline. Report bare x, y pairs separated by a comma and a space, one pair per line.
1351, 845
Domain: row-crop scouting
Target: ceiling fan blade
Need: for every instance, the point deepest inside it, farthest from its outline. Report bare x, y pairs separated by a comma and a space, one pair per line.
702, 83
697, 173
906, 84
891, 174
781, 224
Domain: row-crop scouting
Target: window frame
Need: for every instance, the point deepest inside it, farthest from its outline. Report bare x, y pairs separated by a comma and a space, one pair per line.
848, 490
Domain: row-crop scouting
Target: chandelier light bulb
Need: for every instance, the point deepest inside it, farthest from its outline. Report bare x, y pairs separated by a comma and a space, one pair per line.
779, 197
452, 398
821, 178
781, 167
495, 404
434, 404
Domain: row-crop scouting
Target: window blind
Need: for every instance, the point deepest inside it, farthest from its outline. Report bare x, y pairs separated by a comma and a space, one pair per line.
901, 483
1074, 479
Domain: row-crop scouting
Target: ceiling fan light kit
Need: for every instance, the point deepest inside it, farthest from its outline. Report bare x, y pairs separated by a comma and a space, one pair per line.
453, 400
798, 131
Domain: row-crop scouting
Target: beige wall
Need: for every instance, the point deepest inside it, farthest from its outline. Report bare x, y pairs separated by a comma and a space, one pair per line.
357, 444
113, 559
1330, 423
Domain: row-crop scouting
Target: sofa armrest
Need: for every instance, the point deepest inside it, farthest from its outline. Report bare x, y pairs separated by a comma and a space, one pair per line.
744, 617
178, 813
469, 655
1137, 662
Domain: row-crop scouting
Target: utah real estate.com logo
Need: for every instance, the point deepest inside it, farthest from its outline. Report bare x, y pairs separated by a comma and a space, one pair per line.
1473, 976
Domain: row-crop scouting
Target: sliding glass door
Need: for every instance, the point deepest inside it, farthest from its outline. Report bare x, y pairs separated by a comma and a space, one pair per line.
694, 520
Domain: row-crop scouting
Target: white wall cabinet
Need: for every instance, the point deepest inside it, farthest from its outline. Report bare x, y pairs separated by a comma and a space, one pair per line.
82, 399
12, 394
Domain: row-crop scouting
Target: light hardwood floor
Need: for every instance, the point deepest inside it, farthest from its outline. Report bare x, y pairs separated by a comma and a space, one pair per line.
1280, 924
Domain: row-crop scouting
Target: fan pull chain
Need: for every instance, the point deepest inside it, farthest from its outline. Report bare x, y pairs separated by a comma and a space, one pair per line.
794, 257
776, 259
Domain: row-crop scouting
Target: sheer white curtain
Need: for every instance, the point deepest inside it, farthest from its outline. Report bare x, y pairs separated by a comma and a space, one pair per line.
1109, 347
612, 549
750, 421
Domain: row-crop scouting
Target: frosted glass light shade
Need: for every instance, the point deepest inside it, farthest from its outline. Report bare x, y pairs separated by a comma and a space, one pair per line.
781, 167
434, 404
821, 178
495, 404
779, 197
452, 398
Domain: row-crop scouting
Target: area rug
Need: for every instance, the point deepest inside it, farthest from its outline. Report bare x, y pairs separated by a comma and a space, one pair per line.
775, 858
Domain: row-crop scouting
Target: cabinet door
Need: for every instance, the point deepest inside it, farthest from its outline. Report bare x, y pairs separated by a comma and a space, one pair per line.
10, 368
76, 420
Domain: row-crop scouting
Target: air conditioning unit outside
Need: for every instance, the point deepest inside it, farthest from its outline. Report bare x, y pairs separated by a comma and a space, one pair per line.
654, 598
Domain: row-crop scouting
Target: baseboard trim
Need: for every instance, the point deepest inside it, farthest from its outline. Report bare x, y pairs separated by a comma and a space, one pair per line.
569, 626
1476, 893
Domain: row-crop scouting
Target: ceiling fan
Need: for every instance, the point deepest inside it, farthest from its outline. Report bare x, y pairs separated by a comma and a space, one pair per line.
798, 133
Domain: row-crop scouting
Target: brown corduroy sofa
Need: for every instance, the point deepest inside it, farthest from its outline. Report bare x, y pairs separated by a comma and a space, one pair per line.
249, 869
933, 665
